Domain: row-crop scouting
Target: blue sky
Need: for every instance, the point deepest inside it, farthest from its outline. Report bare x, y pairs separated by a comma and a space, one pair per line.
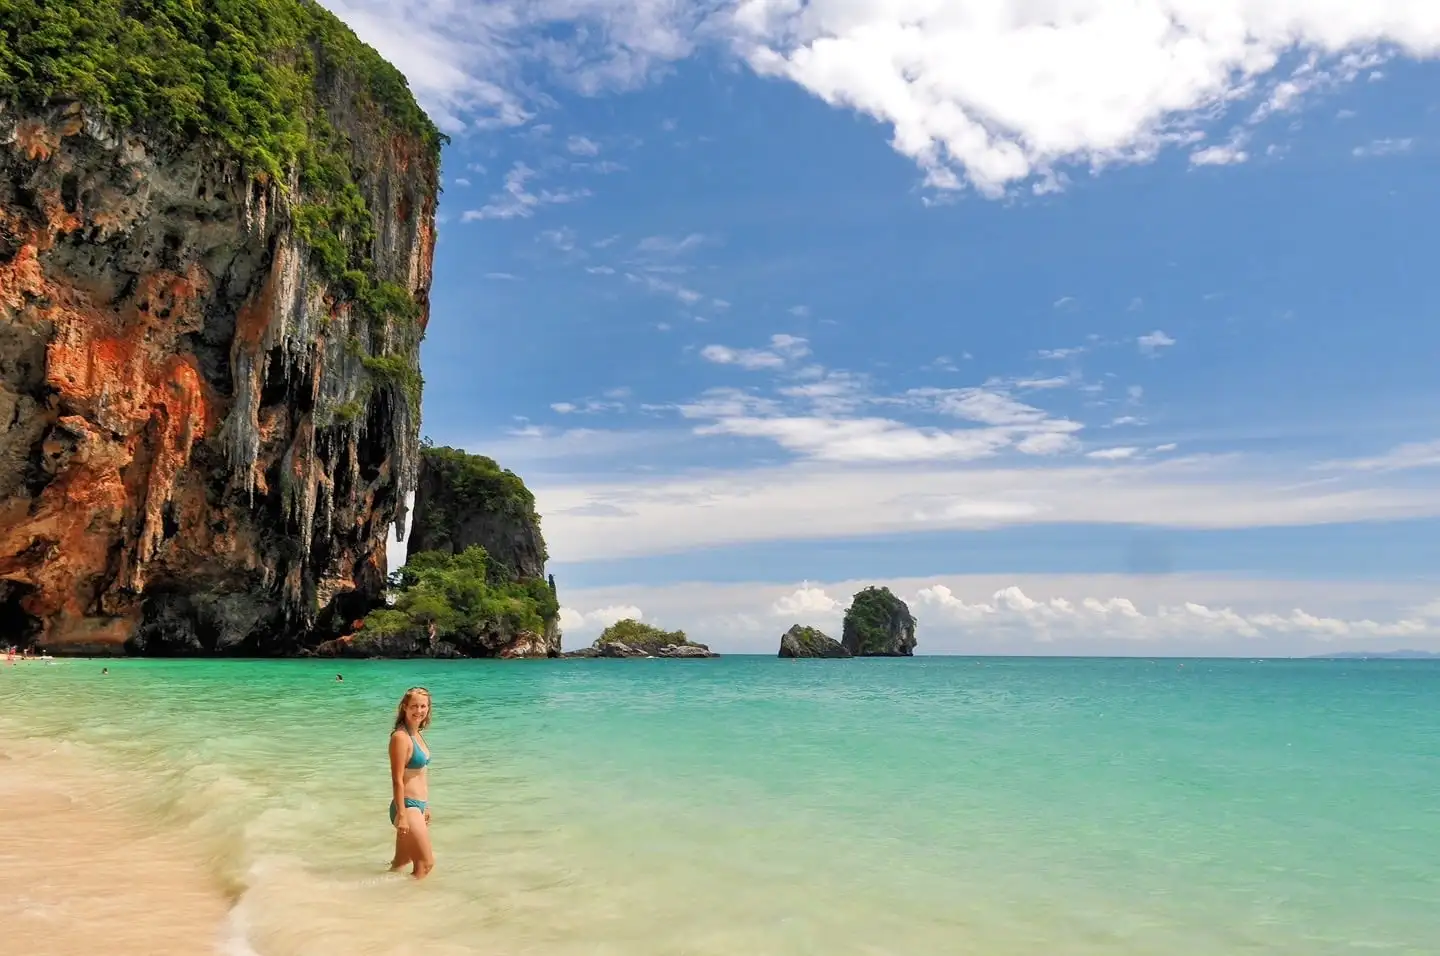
770, 300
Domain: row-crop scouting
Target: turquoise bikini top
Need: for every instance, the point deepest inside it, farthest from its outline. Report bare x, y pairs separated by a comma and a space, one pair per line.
418, 757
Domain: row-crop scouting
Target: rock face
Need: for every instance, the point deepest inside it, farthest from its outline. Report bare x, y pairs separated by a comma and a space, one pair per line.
463, 500
808, 642
878, 624
209, 390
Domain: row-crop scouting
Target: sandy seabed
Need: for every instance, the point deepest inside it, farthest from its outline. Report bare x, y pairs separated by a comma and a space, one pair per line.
86, 877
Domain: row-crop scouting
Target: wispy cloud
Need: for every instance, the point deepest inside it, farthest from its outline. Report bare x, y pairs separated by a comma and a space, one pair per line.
1384, 147
1424, 454
868, 483
582, 146
1151, 343
516, 201
783, 350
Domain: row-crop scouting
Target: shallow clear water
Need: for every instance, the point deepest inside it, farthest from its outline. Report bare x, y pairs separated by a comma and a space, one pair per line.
760, 806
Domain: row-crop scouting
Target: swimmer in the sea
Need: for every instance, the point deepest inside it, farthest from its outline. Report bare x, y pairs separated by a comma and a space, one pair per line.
410, 785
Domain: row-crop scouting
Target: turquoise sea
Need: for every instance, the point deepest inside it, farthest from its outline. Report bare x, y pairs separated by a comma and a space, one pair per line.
754, 806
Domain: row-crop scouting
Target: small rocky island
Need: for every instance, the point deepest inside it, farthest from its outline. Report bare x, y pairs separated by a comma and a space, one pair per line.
474, 582
879, 624
801, 641
631, 638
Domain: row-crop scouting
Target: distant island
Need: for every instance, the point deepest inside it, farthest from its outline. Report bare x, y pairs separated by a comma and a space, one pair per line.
1379, 655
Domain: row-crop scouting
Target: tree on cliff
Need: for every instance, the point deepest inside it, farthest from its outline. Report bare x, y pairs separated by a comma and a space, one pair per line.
878, 624
468, 606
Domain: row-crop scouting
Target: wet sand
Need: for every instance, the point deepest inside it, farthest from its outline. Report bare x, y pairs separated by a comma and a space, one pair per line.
84, 876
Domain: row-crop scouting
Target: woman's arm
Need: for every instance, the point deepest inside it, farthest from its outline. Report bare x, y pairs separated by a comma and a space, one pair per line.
399, 757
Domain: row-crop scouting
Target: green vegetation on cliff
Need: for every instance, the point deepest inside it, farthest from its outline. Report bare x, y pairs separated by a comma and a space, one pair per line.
271, 83
642, 637
244, 72
474, 484
463, 599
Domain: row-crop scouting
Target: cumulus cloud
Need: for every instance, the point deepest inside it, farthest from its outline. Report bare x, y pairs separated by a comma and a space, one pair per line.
1059, 618
572, 621
995, 92
806, 602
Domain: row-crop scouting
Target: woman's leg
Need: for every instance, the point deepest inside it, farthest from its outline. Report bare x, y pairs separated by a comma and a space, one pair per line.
402, 845
419, 843
402, 852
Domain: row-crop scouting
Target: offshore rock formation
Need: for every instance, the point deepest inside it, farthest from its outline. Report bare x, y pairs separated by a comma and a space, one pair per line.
209, 390
631, 638
879, 624
809, 642
465, 500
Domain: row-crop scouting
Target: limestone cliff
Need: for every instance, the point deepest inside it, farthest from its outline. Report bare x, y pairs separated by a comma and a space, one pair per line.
213, 284
878, 624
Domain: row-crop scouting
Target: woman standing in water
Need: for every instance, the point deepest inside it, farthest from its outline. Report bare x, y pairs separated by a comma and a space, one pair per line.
410, 787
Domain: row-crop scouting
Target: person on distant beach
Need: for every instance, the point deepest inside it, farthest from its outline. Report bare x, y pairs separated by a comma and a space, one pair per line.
410, 803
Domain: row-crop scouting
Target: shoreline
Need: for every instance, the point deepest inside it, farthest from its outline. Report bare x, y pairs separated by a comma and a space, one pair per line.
88, 874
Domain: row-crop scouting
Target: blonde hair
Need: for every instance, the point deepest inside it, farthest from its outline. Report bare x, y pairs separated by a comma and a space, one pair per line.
404, 701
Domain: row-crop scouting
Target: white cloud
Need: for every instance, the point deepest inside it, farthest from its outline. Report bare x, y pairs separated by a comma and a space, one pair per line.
590, 406
847, 494
783, 350
653, 283
806, 602
516, 201
582, 146
1153, 342
1113, 454
999, 91
578, 622
799, 311
1062, 353
1384, 147
1424, 454
1060, 618
668, 245
1228, 154
990, 92
1168, 446
1081, 614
